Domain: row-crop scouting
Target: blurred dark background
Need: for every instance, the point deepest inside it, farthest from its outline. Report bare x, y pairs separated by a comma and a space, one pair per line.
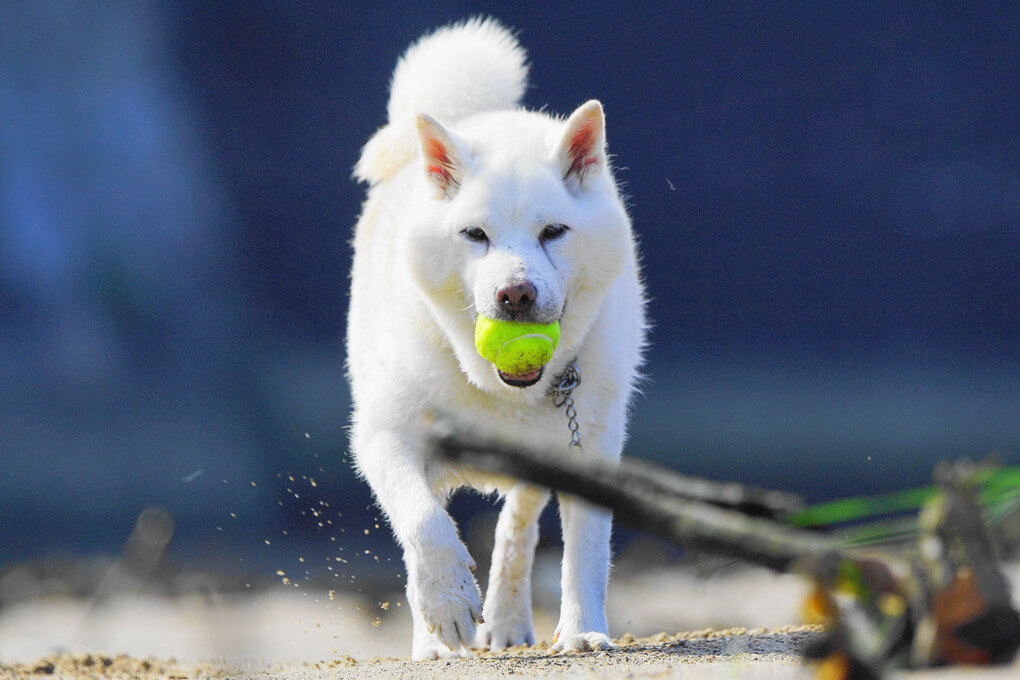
827, 197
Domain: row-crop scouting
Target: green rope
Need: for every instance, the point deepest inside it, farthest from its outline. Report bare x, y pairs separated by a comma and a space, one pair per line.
995, 485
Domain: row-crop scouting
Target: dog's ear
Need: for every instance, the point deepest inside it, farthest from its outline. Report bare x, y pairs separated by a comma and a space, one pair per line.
442, 156
582, 152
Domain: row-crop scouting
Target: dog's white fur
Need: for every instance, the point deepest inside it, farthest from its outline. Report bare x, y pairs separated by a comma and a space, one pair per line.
418, 284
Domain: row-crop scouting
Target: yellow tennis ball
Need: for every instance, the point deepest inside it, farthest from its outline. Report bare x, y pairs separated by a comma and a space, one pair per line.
516, 348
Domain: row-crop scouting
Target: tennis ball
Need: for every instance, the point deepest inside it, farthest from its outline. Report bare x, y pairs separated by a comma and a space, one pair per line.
516, 348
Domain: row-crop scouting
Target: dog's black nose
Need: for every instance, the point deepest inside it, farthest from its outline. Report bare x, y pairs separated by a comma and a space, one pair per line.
516, 299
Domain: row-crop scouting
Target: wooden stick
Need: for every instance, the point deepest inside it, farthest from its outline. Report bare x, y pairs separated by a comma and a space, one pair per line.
663, 507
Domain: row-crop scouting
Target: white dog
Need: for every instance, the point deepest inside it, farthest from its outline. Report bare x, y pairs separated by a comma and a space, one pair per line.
479, 207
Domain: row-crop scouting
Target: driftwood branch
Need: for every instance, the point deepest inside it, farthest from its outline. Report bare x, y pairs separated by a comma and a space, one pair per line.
691, 513
956, 592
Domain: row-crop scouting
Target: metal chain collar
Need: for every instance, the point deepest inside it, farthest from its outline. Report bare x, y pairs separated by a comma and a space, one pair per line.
562, 394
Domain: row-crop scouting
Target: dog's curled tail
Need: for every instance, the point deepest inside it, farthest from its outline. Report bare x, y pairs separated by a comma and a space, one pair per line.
458, 70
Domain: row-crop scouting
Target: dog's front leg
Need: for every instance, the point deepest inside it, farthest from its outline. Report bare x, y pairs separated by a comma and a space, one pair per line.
508, 601
441, 591
584, 577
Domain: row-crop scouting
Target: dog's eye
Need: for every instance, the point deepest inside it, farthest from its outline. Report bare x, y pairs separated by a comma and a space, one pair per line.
553, 231
475, 234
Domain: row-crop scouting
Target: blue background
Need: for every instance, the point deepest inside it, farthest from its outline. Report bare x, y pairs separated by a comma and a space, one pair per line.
827, 197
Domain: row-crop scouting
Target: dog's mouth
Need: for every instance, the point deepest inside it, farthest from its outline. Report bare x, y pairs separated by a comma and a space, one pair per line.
521, 380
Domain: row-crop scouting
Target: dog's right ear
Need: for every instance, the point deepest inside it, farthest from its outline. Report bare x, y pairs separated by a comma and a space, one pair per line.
582, 152
442, 156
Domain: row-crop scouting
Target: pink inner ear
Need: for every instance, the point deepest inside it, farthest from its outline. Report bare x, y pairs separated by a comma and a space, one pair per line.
582, 145
440, 165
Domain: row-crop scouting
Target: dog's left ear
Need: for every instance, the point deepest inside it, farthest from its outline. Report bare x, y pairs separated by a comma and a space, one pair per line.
582, 152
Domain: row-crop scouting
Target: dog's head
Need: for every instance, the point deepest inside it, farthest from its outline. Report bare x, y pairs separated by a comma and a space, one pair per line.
520, 219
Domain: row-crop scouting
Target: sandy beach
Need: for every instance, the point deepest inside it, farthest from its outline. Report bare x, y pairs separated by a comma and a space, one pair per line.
667, 622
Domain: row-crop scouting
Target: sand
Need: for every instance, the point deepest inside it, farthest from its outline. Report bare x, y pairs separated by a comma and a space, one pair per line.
698, 655
695, 654
736, 624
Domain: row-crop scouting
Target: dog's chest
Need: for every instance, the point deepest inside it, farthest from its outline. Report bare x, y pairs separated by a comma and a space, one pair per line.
538, 423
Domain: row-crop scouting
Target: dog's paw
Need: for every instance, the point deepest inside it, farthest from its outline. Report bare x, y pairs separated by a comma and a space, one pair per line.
496, 634
581, 642
434, 649
447, 595
507, 617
